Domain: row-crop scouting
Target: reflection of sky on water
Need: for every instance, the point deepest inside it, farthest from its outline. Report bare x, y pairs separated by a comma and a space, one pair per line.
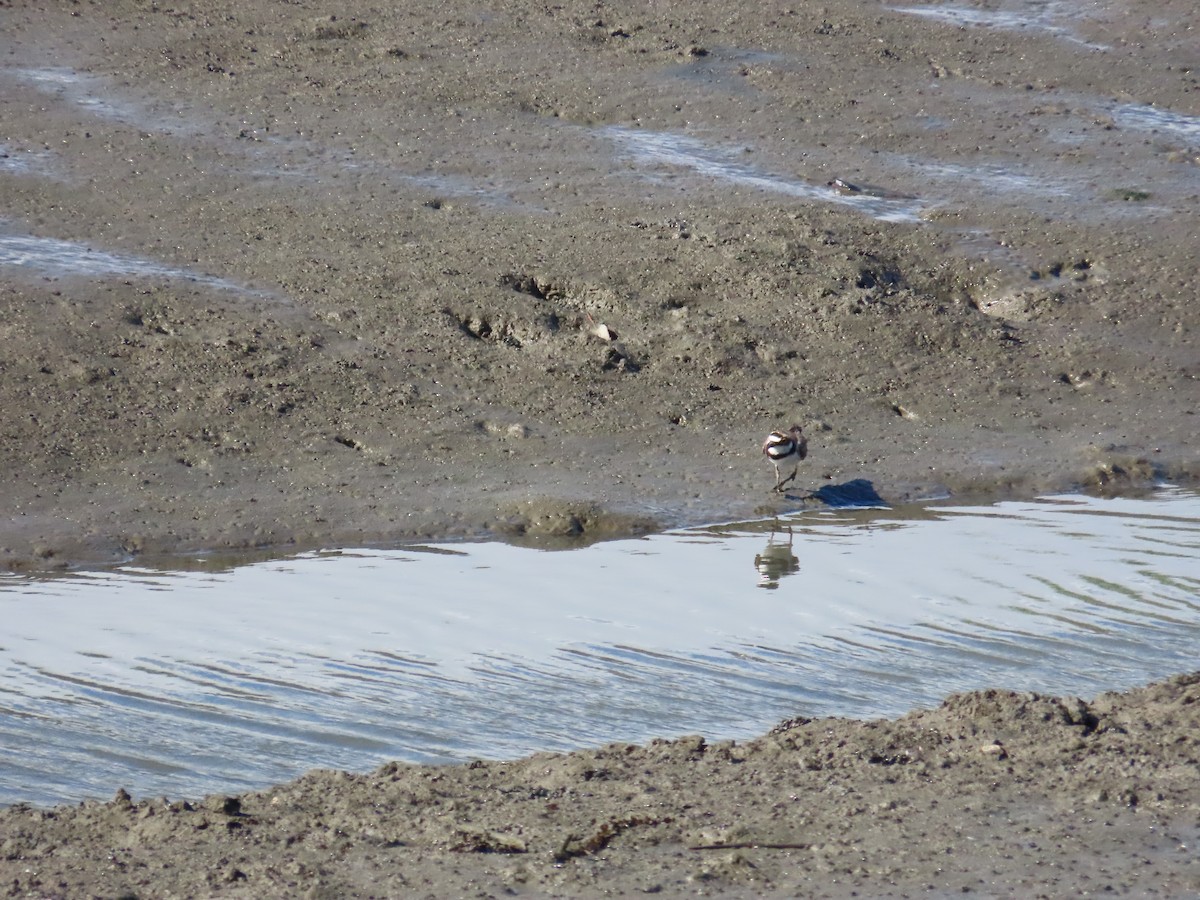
1047, 15
667, 149
56, 258
22, 161
1151, 118
222, 679
87, 92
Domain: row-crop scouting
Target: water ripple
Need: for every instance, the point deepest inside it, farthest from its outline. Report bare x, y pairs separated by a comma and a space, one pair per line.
198, 681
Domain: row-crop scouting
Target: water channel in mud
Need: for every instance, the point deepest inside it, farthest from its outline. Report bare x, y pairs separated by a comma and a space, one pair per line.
216, 676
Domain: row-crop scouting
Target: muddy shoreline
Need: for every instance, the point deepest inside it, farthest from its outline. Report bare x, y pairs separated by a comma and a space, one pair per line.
992, 794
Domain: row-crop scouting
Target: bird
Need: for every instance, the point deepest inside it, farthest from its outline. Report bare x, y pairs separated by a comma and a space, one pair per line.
784, 447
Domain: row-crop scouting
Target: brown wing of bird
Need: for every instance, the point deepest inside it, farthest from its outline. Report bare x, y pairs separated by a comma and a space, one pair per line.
801, 442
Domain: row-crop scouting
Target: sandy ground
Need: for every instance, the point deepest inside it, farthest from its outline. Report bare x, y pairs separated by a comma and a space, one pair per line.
328, 274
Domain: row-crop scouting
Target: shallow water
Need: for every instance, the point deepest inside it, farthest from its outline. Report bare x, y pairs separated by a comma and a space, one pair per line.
51, 257
657, 150
1151, 118
1052, 16
216, 678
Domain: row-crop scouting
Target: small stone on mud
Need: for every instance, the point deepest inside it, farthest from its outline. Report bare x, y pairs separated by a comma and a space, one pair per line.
477, 841
1128, 195
616, 358
603, 332
514, 430
1112, 474
230, 806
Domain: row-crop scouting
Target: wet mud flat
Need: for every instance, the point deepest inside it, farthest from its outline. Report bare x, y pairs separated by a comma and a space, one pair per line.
347, 275
993, 794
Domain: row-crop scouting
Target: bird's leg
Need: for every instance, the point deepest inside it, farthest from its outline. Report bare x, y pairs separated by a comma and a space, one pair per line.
792, 477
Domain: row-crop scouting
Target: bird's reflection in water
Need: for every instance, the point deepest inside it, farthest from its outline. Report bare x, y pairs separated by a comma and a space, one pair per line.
776, 561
